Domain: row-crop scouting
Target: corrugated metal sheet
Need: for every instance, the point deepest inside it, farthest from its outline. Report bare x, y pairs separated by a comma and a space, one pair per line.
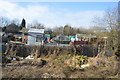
47, 35
35, 38
32, 30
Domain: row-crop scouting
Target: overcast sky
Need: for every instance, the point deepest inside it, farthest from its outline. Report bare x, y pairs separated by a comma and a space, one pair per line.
53, 14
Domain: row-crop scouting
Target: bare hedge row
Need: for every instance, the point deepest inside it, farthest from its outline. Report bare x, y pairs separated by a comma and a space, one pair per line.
25, 50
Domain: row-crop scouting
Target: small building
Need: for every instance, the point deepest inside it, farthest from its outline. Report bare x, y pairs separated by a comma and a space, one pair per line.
72, 38
61, 39
47, 36
85, 37
35, 36
24, 35
17, 35
81, 37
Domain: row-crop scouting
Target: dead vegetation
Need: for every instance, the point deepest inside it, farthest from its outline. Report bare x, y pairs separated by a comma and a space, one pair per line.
56, 62
24, 51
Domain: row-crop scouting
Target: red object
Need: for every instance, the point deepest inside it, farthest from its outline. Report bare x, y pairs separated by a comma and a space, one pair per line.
80, 42
25, 36
15, 36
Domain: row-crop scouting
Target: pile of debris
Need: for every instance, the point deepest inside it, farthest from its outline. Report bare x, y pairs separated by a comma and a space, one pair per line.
78, 62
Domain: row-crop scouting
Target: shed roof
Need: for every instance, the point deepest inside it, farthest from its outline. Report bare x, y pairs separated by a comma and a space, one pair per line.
24, 30
33, 30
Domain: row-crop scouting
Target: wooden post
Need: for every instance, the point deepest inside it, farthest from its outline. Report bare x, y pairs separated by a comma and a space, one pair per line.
22, 37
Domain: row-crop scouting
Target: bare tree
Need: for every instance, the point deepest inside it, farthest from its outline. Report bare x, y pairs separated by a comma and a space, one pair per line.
111, 19
111, 24
68, 30
37, 25
58, 30
98, 31
3, 22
